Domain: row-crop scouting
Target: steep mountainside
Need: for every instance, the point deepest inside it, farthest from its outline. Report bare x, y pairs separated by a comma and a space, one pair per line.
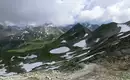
112, 38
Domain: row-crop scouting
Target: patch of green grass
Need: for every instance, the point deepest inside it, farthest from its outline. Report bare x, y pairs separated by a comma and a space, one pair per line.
29, 46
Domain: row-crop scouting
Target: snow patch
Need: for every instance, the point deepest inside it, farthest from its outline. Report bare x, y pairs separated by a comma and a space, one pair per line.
40, 32
10, 74
120, 34
60, 50
86, 35
64, 41
97, 40
12, 59
28, 57
25, 32
2, 71
31, 56
28, 67
68, 55
124, 28
125, 36
50, 63
21, 57
87, 58
83, 54
0, 61
86, 48
52, 68
81, 43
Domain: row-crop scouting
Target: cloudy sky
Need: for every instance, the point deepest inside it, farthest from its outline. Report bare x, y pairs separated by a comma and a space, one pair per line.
62, 12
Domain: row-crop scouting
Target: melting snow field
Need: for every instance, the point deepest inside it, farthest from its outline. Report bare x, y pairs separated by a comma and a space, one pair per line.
81, 43
28, 67
60, 50
3, 72
124, 28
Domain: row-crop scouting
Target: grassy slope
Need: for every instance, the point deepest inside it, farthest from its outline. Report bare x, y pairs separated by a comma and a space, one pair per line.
29, 46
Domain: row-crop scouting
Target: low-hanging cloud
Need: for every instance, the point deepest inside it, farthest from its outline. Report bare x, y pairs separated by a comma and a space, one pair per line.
63, 12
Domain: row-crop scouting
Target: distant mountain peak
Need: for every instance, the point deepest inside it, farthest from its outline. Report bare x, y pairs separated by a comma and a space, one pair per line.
91, 27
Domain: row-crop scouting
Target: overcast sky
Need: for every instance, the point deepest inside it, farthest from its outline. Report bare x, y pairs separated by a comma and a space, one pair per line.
62, 12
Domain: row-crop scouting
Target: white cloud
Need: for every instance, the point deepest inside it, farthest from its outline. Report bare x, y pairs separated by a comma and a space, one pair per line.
120, 12
100, 11
90, 15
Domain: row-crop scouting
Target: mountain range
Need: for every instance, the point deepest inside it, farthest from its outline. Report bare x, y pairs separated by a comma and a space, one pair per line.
42, 47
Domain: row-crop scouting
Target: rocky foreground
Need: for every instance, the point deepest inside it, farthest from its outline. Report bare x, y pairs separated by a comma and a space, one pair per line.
110, 68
